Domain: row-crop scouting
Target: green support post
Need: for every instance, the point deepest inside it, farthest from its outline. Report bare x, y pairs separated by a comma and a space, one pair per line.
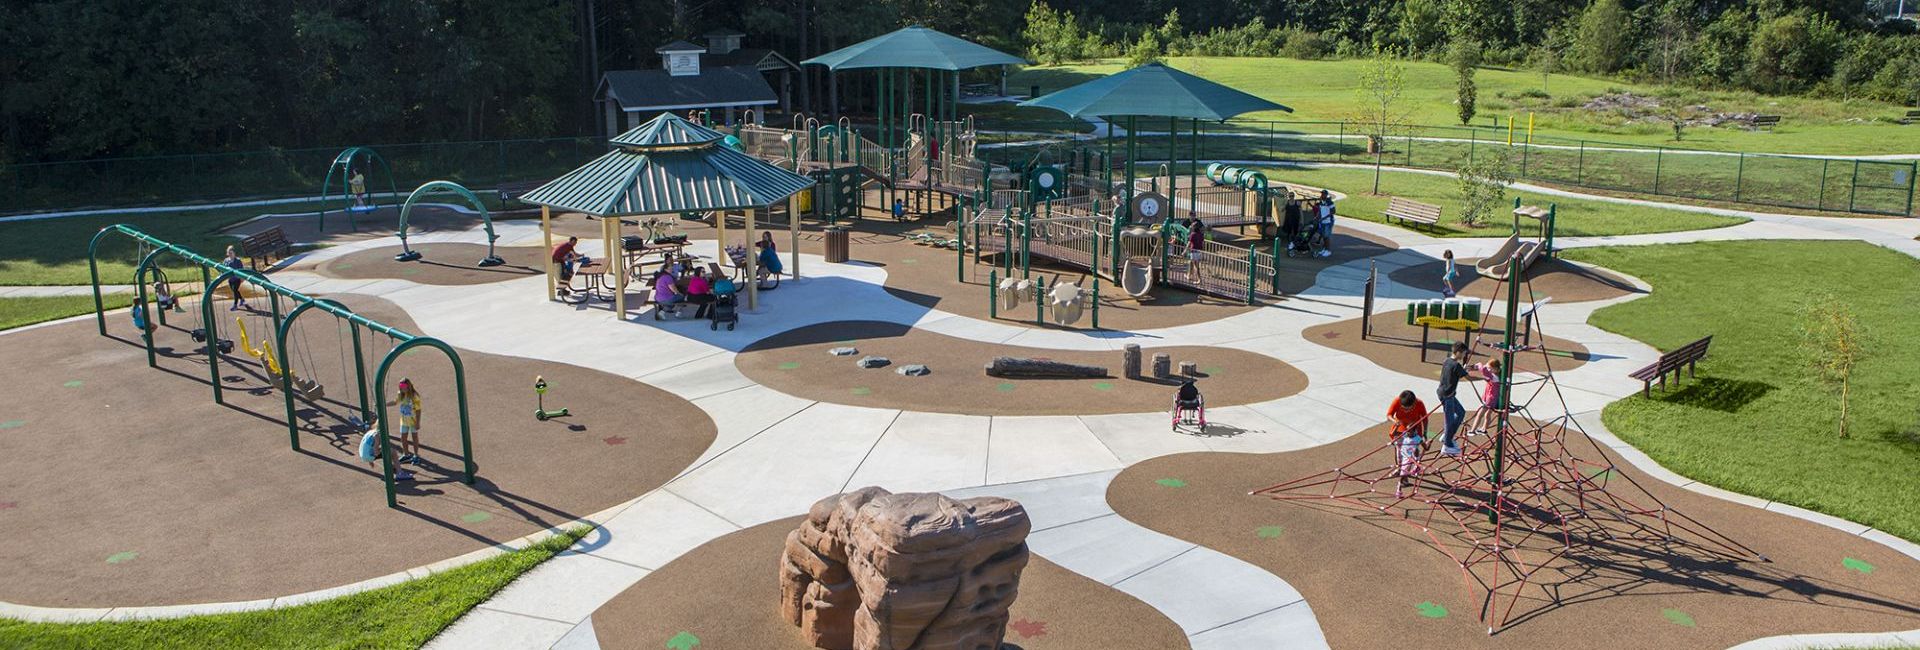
1496, 481
1739, 177
386, 433
993, 300
1039, 304
1853, 188
1553, 211
286, 369
360, 374
1096, 301
1253, 266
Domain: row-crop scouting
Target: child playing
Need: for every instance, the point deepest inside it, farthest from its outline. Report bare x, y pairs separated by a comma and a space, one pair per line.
899, 210
233, 282
1490, 404
1447, 275
409, 402
1326, 223
1408, 415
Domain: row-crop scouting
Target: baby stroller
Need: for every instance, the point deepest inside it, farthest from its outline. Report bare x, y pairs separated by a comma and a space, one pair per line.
725, 308
1189, 408
1301, 228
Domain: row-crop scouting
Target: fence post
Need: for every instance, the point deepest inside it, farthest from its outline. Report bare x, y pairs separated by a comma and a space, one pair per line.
1658, 153
1821, 203
1853, 188
1911, 169
1739, 176
1340, 150
1580, 168
1275, 256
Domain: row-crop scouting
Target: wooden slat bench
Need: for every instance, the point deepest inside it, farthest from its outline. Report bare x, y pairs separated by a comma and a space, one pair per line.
1684, 356
1766, 121
265, 246
510, 192
1412, 212
1912, 117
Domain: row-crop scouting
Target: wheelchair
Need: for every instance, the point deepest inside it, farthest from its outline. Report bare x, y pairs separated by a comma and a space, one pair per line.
1191, 413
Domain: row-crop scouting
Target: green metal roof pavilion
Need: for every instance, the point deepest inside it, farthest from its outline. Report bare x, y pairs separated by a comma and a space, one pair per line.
669, 165
1153, 90
914, 47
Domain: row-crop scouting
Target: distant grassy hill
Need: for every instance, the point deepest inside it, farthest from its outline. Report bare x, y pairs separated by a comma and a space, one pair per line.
1324, 91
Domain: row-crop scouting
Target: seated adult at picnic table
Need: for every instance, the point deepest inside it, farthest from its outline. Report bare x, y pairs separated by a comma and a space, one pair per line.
567, 258
699, 291
769, 257
666, 293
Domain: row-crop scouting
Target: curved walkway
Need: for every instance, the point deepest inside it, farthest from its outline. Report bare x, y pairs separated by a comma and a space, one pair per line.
776, 454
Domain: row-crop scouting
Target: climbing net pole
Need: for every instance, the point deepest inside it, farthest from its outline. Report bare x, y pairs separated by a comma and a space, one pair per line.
1528, 509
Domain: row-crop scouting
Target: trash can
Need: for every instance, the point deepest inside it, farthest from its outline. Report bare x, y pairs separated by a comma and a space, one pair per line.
836, 244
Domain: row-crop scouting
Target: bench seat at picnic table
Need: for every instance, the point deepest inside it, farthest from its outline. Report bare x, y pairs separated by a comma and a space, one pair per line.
1412, 211
265, 245
1672, 362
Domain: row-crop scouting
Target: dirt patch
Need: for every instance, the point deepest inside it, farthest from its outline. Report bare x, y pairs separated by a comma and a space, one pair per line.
439, 263
1395, 345
797, 363
1375, 581
1555, 278
124, 485
1057, 609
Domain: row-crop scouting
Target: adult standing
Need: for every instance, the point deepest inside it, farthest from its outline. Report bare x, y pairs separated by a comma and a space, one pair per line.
1452, 370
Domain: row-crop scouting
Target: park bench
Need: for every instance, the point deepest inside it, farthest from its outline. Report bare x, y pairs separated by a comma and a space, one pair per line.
1766, 121
1412, 212
265, 246
510, 192
1684, 356
1912, 117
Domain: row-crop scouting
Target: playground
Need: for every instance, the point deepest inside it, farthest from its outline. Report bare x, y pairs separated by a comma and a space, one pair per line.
861, 379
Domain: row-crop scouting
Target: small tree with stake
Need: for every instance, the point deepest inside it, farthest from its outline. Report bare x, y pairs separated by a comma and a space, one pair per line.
1836, 343
1382, 82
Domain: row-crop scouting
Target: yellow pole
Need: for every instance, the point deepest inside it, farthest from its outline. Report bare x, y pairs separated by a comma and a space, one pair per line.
616, 264
1529, 129
546, 231
1509, 131
753, 284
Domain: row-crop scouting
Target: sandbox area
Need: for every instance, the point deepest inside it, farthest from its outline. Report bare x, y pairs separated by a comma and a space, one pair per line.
1395, 345
1375, 581
1558, 279
145, 492
796, 362
726, 594
442, 263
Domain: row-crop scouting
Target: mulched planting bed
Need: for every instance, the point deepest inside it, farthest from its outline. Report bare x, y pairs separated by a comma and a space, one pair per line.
726, 594
122, 485
1375, 581
797, 363
443, 263
1560, 280
1395, 345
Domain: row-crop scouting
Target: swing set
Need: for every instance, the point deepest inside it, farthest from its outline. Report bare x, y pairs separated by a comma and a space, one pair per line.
360, 199
407, 254
273, 354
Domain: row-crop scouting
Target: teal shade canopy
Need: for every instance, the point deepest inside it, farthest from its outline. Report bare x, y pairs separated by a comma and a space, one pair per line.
1153, 90
665, 166
914, 47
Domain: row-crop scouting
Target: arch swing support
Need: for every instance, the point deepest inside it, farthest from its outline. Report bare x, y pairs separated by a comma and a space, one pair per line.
344, 161
407, 254
380, 403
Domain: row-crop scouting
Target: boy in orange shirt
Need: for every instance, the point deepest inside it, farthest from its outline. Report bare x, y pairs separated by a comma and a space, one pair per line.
1408, 415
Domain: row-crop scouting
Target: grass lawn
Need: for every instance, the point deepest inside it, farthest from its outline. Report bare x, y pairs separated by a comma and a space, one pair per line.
54, 251
1757, 421
1573, 217
1321, 91
17, 312
406, 615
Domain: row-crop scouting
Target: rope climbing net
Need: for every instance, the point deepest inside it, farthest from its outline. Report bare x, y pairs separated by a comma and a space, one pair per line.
1534, 512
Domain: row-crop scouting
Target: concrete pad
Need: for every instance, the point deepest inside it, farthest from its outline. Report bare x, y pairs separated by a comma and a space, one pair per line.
1054, 501
700, 377
653, 531
1134, 437
742, 414
1230, 590
1315, 419
1827, 520
566, 588
488, 629
927, 452
789, 466
581, 638
343, 590
1246, 430
32, 614
1027, 448
1108, 549
1291, 626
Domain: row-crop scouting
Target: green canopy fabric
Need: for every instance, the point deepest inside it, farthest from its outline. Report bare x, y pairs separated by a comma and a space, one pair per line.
665, 166
914, 47
1153, 90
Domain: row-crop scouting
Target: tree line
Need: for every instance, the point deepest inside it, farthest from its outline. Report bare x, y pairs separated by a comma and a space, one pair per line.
94, 78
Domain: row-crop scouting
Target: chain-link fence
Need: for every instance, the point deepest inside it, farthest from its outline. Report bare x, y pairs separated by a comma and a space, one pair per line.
278, 173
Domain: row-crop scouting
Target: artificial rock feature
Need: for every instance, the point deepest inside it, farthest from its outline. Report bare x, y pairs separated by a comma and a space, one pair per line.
1130, 360
871, 570
1022, 368
914, 370
843, 352
874, 362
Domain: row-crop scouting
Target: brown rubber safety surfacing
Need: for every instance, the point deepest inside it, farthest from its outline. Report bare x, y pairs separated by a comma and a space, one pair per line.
1395, 345
796, 362
726, 593
440, 263
123, 485
1370, 577
1558, 279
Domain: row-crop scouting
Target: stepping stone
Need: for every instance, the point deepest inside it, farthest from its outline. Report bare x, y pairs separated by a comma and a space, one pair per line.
874, 362
843, 352
914, 370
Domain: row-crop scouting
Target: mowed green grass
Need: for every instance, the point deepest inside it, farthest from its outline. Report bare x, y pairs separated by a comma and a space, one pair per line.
54, 251
18, 312
1321, 91
1757, 420
1573, 217
406, 615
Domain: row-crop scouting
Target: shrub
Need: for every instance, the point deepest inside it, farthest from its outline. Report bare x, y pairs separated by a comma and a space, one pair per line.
1483, 184
1303, 44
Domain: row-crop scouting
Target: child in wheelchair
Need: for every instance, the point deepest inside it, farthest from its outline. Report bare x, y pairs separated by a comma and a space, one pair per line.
1189, 406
